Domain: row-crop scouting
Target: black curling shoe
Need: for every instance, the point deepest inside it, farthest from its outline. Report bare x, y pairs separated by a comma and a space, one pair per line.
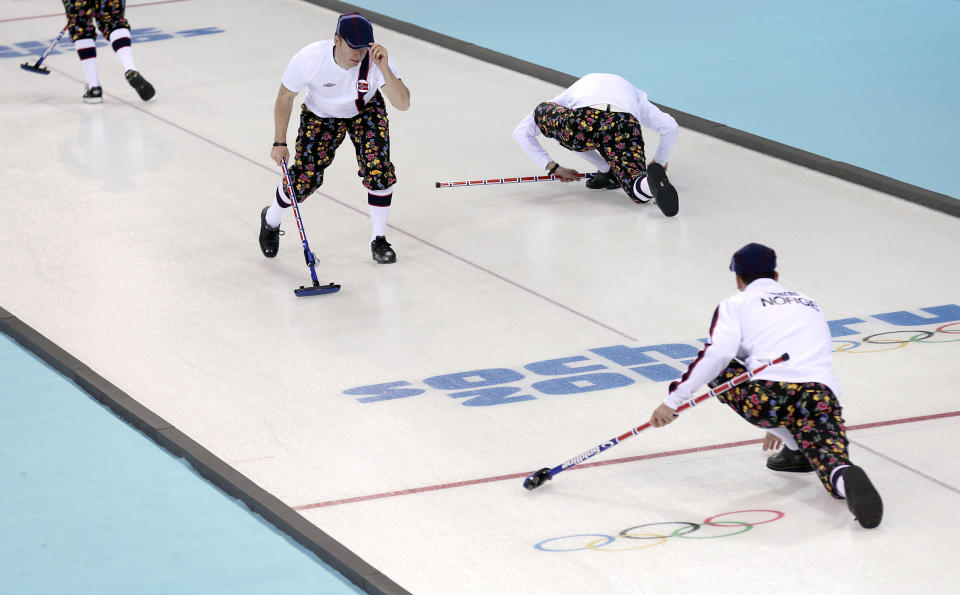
144, 89
269, 236
862, 498
381, 251
792, 461
663, 191
603, 180
93, 95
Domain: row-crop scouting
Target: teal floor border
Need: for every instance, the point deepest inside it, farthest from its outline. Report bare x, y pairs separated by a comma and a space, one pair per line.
797, 83
71, 530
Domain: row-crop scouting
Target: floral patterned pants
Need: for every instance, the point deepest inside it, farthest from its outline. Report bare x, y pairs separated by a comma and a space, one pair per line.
108, 14
318, 139
615, 135
809, 410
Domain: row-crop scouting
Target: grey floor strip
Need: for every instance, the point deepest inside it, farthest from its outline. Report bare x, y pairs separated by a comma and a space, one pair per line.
203, 461
845, 171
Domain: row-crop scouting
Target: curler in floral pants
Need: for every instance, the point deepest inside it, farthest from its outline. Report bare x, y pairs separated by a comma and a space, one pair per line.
318, 139
615, 135
809, 410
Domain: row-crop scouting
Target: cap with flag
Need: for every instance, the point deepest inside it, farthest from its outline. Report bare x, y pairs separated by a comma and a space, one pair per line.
355, 29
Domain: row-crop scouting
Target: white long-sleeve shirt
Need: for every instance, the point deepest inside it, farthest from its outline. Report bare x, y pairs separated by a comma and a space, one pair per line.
600, 88
758, 325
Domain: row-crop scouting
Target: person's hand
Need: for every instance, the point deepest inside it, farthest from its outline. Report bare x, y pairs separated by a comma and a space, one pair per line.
565, 174
662, 415
378, 54
278, 153
771, 442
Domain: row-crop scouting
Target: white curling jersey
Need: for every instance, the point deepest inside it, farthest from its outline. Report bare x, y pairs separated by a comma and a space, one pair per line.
331, 90
758, 325
601, 88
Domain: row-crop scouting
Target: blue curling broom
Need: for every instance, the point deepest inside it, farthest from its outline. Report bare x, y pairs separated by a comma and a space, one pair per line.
316, 288
36, 66
537, 478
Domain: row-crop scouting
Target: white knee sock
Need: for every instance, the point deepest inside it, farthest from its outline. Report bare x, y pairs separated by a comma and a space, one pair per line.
379, 214
275, 212
125, 53
595, 159
837, 481
89, 64
642, 188
784, 434
378, 220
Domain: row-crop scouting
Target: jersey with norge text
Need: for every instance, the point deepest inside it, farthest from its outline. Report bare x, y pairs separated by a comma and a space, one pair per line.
756, 326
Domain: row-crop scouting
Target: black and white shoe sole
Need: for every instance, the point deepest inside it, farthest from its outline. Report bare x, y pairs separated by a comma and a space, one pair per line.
862, 498
791, 468
389, 257
144, 89
610, 185
667, 200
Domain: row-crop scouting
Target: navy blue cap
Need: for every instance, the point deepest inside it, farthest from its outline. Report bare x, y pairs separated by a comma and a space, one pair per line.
753, 259
355, 29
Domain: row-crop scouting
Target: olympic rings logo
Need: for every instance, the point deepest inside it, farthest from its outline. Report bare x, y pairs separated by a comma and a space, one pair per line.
896, 339
711, 527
